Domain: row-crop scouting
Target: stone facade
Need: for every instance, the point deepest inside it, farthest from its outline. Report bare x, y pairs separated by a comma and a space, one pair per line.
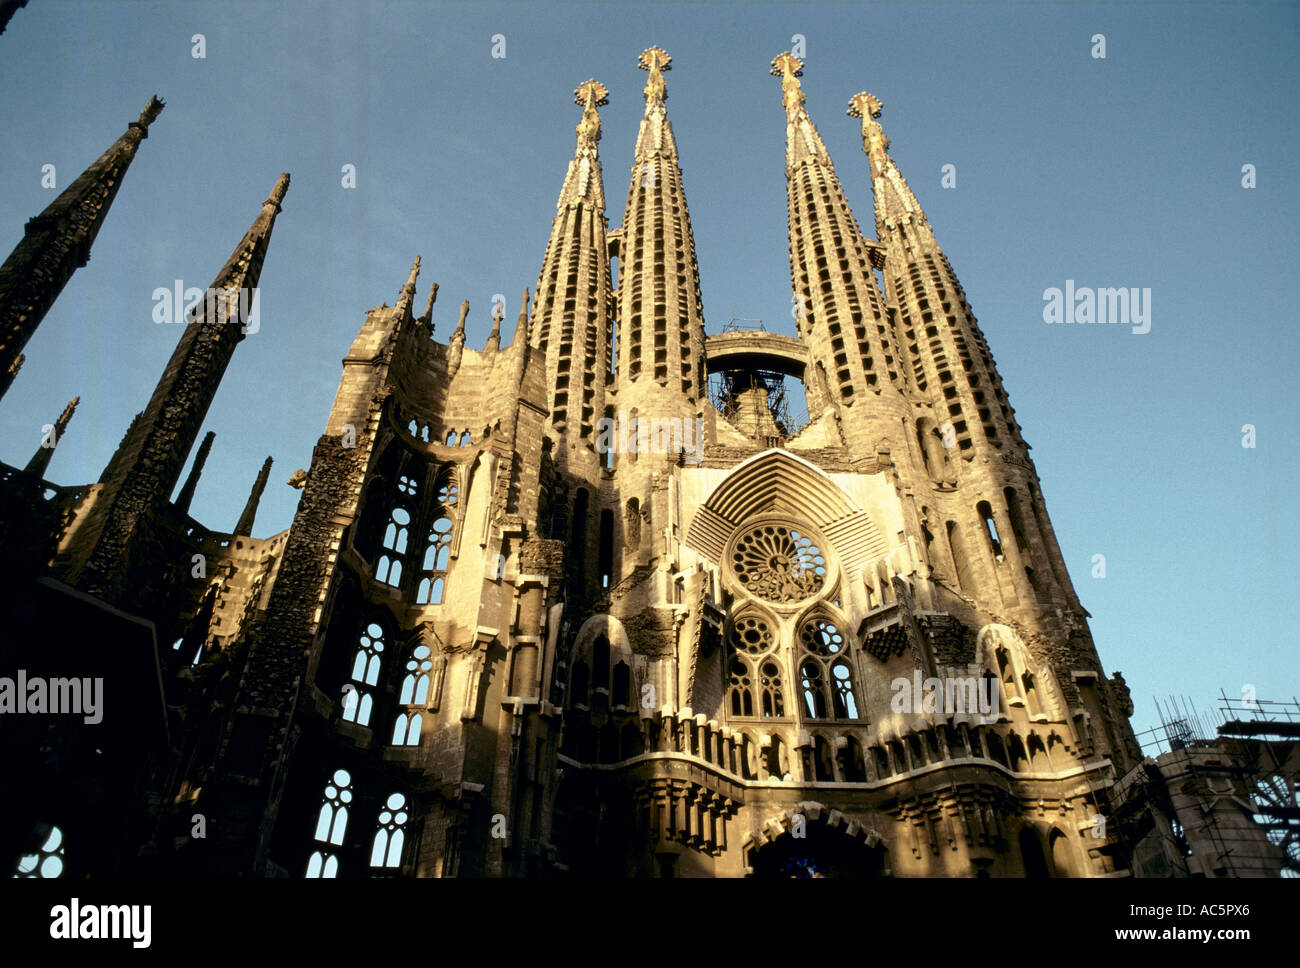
505, 637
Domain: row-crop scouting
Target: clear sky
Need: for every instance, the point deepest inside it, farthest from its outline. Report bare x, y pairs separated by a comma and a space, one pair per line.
1122, 171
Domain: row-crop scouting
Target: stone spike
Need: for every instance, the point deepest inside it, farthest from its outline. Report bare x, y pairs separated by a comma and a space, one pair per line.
427, 316
57, 242
192, 481
245, 526
41, 459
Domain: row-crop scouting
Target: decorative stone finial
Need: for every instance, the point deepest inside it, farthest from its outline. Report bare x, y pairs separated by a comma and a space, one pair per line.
789, 68
656, 61
591, 94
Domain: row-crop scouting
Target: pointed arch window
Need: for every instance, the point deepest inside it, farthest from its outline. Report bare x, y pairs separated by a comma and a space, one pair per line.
755, 680
390, 838
389, 569
437, 547
331, 825
367, 667
825, 671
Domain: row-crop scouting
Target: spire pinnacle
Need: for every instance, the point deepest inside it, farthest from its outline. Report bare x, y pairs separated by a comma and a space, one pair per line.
427, 317
494, 337
278, 192
656, 61
41, 459
148, 115
407, 293
591, 94
895, 203
187, 489
789, 68
245, 526
460, 325
521, 325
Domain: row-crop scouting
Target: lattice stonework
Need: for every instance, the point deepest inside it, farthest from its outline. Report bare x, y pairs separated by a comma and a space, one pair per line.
778, 563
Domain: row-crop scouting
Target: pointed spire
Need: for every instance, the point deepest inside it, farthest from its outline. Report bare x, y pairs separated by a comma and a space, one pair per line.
656, 134
661, 341
407, 296
844, 322
494, 337
41, 459
456, 348
192, 481
144, 471
57, 242
245, 526
521, 324
427, 316
582, 184
895, 203
802, 142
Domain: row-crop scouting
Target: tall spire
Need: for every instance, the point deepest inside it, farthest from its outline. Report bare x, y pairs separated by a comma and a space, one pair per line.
192, 481
895, 203
661, 346
837, 305
41, 459
952, 366
244, 528
407, 296
574, 305
143, 472
57, 242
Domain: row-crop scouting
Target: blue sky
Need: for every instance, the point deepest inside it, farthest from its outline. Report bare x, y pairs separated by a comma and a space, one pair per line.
1117, 172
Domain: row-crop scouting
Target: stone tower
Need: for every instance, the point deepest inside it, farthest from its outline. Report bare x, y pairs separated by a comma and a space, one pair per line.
604, 600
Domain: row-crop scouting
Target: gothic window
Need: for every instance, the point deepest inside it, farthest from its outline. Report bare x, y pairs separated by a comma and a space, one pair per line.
755, 671
411, 698
331, 825
437, 551
465, 439
367, 664
622, 695
389, 569
386, 851
408, 485
825, 672
580, 680
47, 862
406, 729
779, 564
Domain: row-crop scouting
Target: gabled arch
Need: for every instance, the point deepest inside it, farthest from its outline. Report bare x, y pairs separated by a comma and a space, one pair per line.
778, 482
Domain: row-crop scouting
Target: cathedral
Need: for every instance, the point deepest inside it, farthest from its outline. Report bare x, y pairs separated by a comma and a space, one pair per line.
618, 597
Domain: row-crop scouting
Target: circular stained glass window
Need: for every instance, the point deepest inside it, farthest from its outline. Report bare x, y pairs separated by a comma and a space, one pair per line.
779, 564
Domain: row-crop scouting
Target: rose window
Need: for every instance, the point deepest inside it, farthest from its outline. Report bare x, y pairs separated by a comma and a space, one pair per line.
779, 564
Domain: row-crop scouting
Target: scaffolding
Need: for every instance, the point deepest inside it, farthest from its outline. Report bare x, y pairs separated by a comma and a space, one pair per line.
1219, 798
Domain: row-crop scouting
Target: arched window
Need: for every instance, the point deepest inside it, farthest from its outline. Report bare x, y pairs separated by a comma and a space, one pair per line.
755, 674
465, 439
451, 438
386, 851
367, 665
331, 825
415, 686
437, 551
825, 672
389, 569
406, 729
49, 859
